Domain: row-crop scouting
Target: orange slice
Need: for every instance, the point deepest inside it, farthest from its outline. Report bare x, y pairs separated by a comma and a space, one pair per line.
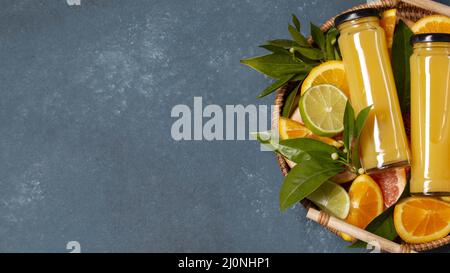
432, 24
422, 219
366, 203
330, 72
290, 129
387, 22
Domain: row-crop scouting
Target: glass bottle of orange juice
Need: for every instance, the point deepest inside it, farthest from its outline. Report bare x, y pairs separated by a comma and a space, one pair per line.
430, 114
362, 43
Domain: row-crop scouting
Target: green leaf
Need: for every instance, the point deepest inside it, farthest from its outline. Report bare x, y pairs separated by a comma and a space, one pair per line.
274, 86
361, 120
304, 179
354, 153
310, 53
337, 54
331, 38
318, 36
290, 102
298, 149
276, 65
349, 125
275, 49
282, 43
298, 37
296, 22
401, 52
299, 77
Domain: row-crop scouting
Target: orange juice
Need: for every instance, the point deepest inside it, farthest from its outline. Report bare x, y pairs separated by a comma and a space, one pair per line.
430, 114
365, 55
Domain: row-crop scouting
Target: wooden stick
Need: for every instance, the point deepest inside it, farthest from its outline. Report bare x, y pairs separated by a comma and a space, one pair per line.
361, 234
430, 5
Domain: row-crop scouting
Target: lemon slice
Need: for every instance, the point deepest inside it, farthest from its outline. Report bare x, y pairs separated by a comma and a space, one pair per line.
432, 24
332, 198
322, 109
331, 72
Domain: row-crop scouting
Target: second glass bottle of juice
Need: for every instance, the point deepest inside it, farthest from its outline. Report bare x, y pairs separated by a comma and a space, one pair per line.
430, 114
363, 46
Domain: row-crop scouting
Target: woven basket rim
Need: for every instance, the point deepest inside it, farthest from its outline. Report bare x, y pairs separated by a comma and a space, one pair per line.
406, 12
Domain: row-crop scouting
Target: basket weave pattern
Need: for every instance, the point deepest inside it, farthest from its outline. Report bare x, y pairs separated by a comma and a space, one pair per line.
406, 12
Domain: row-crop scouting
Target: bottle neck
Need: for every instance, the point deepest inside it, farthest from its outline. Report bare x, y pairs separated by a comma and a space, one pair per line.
360, 22
431, 45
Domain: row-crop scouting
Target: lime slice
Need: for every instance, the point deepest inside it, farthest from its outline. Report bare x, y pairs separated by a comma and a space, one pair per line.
322, 109
331, 198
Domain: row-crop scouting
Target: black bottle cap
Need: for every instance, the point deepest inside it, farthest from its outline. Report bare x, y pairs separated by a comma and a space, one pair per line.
355, 14
430, 37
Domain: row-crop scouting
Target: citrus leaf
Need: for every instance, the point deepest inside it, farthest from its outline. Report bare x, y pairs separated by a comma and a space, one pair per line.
331, 37
275, 49
304, 179
310, 53
298, 37
276, 65
349, 124
361, 120
318, 36
274, 86
296, 22
401, 52
298, 149
282, 43
290, 102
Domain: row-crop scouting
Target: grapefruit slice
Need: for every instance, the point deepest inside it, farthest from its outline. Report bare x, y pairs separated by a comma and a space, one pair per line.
392, 183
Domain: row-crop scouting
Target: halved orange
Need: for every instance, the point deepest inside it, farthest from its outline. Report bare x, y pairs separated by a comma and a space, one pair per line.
387, 22
366, 203
290, 129
330, 72
432, 24
422, 219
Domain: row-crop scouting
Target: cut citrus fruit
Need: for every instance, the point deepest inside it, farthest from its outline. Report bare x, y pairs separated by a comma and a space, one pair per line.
387, 22
330, 72
343, 177
392, 183
446, 198
432, 24
422, 219
322, 109
296, 116
366, 203
290, 129
331, 198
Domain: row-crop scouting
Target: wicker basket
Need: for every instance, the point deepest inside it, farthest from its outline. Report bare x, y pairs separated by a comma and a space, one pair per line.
407, 12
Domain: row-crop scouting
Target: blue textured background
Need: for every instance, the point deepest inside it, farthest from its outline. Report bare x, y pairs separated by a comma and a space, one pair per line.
85, 147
